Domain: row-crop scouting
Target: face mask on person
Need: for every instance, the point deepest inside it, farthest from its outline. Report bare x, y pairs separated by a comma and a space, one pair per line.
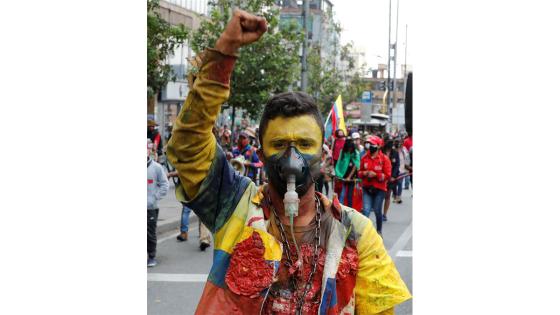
373, 149
305, 168
367, 145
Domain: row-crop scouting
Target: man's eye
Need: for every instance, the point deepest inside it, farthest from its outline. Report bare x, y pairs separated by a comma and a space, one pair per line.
278, 145
305, 144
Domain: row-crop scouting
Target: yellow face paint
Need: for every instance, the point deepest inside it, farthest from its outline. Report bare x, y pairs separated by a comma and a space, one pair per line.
302, 130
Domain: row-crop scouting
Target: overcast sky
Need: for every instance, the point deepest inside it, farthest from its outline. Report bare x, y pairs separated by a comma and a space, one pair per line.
366, 22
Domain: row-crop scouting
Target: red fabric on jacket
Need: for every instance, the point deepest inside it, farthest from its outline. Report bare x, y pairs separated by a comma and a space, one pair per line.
380, 165
407, 143
338, 145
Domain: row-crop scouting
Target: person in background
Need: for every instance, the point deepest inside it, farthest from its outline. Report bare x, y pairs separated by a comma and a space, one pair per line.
403, 161
358, 143
185, 214
157, 189
152, 153
326, 171
204, 235
168, 131
337, 145
249, 153
409, 167
393, 155
184, 228
225, 140
253, 141
407, 144
346, 170
154, 135
375, 171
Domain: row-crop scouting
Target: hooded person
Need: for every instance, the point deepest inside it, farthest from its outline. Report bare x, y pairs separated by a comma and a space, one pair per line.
281, 247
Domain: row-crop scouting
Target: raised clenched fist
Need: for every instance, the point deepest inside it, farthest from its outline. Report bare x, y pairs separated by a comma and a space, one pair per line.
243, 29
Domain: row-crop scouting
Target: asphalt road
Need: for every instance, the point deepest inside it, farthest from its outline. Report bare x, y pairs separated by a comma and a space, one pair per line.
176, 283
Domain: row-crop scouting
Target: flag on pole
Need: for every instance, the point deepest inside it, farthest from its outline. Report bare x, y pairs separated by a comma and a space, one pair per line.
335, 120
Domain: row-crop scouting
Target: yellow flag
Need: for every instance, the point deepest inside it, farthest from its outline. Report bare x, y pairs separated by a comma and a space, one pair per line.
339, 112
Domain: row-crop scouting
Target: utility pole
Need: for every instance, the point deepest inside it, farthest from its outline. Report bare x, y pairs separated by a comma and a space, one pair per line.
405, 50
395, 96
388, 87
304, 48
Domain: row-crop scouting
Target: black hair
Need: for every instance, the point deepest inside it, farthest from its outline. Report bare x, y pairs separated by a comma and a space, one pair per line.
389, 145
349, 145
290, 104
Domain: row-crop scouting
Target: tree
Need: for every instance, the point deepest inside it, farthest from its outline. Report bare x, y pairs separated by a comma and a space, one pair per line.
354, 85
163, 39
264, 68
325, 80
334, 74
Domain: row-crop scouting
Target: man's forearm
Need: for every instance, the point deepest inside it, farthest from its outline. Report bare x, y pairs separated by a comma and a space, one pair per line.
192, 146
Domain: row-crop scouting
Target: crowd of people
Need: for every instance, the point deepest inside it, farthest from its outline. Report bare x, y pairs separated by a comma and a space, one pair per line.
369, 169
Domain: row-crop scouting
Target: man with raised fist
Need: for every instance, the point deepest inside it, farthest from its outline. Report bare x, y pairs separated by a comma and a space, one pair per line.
281, 248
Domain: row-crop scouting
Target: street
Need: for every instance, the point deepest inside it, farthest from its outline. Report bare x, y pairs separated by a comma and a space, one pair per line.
176, 283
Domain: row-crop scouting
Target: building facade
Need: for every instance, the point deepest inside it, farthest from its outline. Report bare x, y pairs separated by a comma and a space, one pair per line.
382, 102
320, 24
189, 13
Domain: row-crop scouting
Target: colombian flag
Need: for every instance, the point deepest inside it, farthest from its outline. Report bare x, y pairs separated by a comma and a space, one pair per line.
335, 120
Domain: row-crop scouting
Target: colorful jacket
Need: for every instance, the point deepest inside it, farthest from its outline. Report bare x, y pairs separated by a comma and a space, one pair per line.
231, 206
250, 155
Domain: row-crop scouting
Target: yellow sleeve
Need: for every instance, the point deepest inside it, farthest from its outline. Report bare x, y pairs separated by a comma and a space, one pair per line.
379, 286
192, 146
390, 311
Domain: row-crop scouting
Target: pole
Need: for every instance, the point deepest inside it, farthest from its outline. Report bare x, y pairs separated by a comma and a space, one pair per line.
386, 103
327, 120
304, 48
405, 49
395, 96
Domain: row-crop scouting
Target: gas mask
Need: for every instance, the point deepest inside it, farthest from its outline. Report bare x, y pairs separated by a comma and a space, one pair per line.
292, 173
292, 166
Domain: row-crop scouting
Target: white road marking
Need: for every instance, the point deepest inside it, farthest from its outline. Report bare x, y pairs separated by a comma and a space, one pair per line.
404, 253
165, 238
177, 277
401, 242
